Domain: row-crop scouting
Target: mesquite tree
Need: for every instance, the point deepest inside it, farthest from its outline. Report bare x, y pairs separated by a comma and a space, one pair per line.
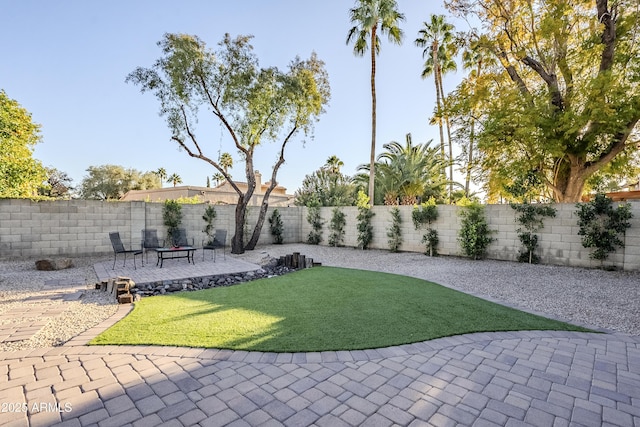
252, 104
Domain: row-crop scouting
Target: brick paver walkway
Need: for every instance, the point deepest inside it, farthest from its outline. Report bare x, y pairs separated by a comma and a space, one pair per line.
539, 378
486, 379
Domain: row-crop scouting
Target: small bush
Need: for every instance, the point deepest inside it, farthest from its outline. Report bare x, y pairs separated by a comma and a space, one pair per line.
313, 218
172, 216
276, 227
365, 229
208, 217
336, 226
474, 232
601, 225
424, 215
531, 219
394, 233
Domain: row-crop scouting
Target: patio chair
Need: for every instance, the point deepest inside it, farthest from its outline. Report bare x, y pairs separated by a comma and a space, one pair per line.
150, 242
179, 238
118, 248
219, 241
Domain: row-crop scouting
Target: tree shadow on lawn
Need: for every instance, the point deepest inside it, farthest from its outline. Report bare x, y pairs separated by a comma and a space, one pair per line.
318, 309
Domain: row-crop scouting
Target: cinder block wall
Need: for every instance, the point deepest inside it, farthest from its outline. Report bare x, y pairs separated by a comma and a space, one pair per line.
81, 227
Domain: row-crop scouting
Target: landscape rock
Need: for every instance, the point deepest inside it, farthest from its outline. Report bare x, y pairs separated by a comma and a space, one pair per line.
54, 264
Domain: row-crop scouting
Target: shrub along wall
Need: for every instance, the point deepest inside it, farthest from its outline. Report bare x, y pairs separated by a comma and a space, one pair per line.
81, 227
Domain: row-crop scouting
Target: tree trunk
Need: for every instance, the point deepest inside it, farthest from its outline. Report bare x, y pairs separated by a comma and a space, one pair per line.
237, 242
569, 181
372, 160
434, 53
446, 118
472, 136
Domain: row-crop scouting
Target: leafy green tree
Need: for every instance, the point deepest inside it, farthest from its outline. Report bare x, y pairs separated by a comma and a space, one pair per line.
20, 174
110, 182
407, 173
327, 186
437, 39
369, 17
564, 97
252, 104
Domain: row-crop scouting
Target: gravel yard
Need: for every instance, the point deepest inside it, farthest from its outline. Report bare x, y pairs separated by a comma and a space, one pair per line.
21, 285
600, 299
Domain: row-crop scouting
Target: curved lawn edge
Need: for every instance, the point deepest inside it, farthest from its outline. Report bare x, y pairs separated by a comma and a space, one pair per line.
319, 309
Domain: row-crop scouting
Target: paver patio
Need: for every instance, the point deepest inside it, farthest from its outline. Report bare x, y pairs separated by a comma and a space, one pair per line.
507, 378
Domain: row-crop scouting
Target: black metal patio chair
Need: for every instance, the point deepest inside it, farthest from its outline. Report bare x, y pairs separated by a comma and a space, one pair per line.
219, 241
118, 248
150, 242
179, 238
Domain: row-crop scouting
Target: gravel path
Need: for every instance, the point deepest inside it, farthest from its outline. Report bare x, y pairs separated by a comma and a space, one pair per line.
21, 284
602, 299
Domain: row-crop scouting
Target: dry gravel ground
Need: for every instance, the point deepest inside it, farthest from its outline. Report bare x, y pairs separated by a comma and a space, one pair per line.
596, 298
19, 281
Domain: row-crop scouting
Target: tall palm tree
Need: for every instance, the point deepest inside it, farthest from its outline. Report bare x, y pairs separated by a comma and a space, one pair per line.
369, 16
162, 174
334, 164
438, 40
226, 161
175, 179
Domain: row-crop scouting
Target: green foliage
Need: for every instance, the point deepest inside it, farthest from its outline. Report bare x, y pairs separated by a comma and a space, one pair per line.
394, 233
276, 227
208, 217
601, 225
474, 234
560, 96
253, 104
530, 217
172, 216
404, 174
20, 174
110, 182
422, 216
314, 218
336, 227
365, 229
328, 186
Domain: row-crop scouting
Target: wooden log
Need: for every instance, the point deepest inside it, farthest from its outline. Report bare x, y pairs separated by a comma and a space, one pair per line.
302, 261
295, 259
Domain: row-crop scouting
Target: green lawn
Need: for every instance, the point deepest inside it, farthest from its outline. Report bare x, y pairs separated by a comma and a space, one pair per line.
317, 309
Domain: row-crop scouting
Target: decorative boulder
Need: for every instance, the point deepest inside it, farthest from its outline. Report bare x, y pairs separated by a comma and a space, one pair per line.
54, 264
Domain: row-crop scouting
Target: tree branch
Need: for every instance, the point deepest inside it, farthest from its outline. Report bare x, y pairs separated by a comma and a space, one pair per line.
608, 36
618, 144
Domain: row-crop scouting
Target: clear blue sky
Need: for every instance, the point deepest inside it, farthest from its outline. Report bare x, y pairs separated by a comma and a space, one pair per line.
66, 62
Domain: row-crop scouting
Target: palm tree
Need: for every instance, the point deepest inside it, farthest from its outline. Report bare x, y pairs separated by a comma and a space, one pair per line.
162, 174
333, 164
438, 41
406, 173
175, 179
226, 161
218, 177
368, 16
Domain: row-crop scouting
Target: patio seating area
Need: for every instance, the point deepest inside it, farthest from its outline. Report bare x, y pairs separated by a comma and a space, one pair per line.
172, 270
